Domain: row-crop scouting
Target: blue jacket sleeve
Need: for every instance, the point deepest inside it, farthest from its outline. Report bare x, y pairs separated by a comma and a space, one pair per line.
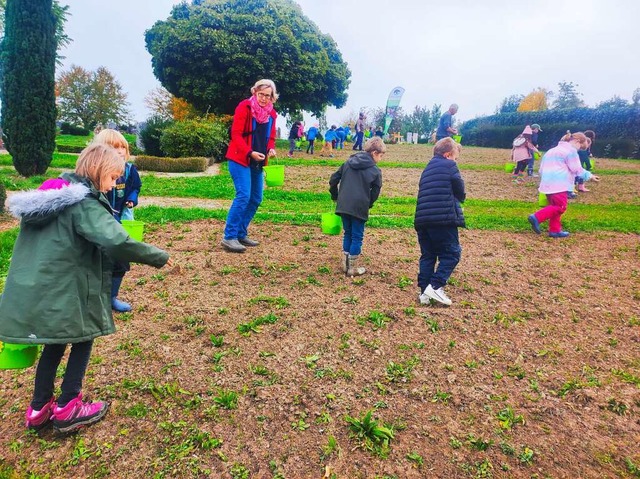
134, 185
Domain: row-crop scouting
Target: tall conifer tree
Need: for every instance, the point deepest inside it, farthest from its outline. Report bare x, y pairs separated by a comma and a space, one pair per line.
28, 84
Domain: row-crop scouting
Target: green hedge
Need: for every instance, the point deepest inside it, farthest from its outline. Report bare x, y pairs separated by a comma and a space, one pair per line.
617, 130
70, 148
69, 129
191, 138
171, 165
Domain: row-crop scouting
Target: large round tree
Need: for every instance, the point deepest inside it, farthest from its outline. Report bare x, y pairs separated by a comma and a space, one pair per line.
28, 84
212, 51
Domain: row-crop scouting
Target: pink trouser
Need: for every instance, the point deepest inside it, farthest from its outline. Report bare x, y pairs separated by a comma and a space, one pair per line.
553, 212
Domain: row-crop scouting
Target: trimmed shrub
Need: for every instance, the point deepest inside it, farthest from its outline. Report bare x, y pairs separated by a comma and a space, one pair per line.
67, 128
195, 138
70, 148
3, 196
617, 130
150, 135
171, 165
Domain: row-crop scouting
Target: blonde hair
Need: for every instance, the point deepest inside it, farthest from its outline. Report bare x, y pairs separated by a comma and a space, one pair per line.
445, 145
112, 138
577, 136
263, 84
375, 144
98, 162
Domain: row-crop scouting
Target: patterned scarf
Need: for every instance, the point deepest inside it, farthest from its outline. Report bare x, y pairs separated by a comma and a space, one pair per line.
261, 114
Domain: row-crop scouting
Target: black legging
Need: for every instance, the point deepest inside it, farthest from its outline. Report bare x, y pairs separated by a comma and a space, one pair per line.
520, 166
73, 376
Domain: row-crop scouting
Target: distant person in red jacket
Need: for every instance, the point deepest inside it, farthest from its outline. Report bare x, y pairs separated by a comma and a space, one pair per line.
253, 140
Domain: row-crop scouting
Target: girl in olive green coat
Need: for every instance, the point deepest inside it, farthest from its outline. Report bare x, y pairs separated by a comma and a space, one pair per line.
58, 289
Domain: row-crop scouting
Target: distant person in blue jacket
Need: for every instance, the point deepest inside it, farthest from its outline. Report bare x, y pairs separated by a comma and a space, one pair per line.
311, 138
341, 136
437, 219
329, 137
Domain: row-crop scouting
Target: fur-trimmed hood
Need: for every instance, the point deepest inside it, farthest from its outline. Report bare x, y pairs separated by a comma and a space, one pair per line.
42, 206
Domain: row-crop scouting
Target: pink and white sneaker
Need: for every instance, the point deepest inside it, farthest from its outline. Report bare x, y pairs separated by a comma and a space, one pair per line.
77, 414
38, 419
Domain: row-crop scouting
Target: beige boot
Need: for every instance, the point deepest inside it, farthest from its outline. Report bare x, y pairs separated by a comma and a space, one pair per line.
345, 261
354, 269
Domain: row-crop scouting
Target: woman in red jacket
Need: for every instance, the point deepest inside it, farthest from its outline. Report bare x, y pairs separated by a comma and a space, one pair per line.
253, 140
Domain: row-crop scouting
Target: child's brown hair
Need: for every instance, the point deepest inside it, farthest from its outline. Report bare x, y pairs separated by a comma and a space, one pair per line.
445, 145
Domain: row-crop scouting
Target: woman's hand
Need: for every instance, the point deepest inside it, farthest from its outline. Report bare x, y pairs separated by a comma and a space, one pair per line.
271, 153
257, 156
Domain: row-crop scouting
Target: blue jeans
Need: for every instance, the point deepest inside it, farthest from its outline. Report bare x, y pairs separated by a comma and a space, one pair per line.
310, 146
249, 183
358, 143
530, 164
353, 234
437, 244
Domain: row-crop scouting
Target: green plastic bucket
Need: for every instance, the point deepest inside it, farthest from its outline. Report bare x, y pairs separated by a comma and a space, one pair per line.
537, 155
134, 228
509, 167
542, 199
274, 175
331, 224
457, 138
593, 164
17, 356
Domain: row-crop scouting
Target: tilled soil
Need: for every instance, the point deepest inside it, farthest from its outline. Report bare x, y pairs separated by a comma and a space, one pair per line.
543, 335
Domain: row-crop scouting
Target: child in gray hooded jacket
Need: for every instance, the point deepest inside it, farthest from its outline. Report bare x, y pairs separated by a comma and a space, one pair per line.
355, 187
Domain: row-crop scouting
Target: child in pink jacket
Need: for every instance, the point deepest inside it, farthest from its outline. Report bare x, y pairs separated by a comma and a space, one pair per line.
523, 149
558, 169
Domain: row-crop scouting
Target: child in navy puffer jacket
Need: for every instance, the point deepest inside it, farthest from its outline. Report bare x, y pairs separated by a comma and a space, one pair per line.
438, 217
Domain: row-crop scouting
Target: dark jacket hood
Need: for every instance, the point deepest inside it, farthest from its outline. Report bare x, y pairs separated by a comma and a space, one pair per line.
361, 161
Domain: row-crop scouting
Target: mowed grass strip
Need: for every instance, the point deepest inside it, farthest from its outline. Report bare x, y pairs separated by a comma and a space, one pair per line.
479, 214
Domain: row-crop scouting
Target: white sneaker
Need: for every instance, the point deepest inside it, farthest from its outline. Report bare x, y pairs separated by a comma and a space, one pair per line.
424, 299
437, 294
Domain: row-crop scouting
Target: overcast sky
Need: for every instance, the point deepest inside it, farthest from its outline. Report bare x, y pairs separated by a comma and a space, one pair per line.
470, 52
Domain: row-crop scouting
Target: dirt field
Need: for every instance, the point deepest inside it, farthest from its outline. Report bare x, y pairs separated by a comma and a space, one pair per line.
247, 366
533, 372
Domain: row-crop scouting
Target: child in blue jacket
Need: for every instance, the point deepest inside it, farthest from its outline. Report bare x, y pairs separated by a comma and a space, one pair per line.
122, 198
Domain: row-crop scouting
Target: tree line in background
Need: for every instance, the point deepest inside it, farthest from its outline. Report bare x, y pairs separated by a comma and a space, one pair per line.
616, 121
421, 120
